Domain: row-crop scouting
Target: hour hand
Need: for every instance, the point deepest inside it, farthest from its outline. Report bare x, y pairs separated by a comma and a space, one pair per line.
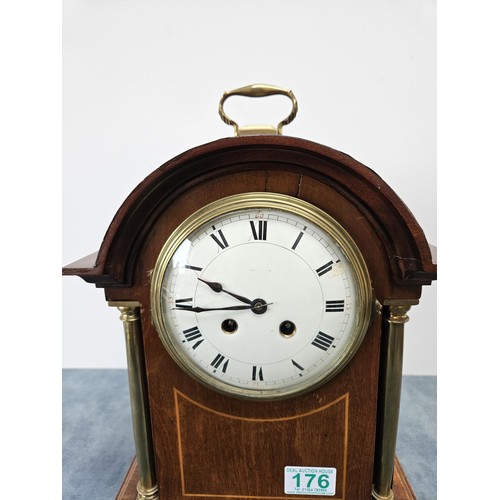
217, 287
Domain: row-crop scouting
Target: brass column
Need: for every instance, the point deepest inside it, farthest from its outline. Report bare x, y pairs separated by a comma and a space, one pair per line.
391, 371
147, 488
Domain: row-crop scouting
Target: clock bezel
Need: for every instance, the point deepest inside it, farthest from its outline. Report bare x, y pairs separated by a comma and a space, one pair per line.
264, 200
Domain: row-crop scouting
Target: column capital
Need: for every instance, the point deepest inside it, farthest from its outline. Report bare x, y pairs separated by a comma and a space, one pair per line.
130, 311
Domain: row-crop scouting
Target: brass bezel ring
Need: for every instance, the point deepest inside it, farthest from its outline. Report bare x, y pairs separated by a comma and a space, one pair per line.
264, 200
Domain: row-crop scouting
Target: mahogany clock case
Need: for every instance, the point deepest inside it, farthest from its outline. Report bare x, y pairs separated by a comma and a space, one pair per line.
200, 435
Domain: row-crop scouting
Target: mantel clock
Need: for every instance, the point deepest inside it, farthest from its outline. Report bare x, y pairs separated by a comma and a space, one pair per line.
263, 282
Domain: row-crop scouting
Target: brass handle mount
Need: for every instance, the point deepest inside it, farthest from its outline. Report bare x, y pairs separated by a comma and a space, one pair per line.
258, 90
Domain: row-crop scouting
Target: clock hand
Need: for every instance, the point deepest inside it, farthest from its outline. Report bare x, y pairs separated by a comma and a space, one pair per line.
217, 287
258, 308
204, 309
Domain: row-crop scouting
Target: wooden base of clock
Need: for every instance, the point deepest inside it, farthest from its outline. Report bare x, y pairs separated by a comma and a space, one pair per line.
401, 486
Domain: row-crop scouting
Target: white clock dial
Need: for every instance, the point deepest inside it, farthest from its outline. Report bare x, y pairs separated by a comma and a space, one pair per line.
264, 301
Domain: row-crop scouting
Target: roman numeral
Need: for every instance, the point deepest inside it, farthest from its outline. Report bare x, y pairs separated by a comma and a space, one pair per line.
334, 306
323, 341
325, 268
193, 268
261, 232
184, 302
218, 361
222, 242
257, 373
299, 237
294, 363
192, 334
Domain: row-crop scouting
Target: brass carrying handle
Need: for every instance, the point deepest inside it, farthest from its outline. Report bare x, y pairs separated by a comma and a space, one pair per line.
258, 90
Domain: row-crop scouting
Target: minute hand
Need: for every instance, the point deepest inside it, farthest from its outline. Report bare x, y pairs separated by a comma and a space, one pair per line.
204, 309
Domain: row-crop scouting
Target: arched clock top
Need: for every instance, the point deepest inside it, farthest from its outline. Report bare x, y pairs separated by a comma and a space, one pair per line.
408, 254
